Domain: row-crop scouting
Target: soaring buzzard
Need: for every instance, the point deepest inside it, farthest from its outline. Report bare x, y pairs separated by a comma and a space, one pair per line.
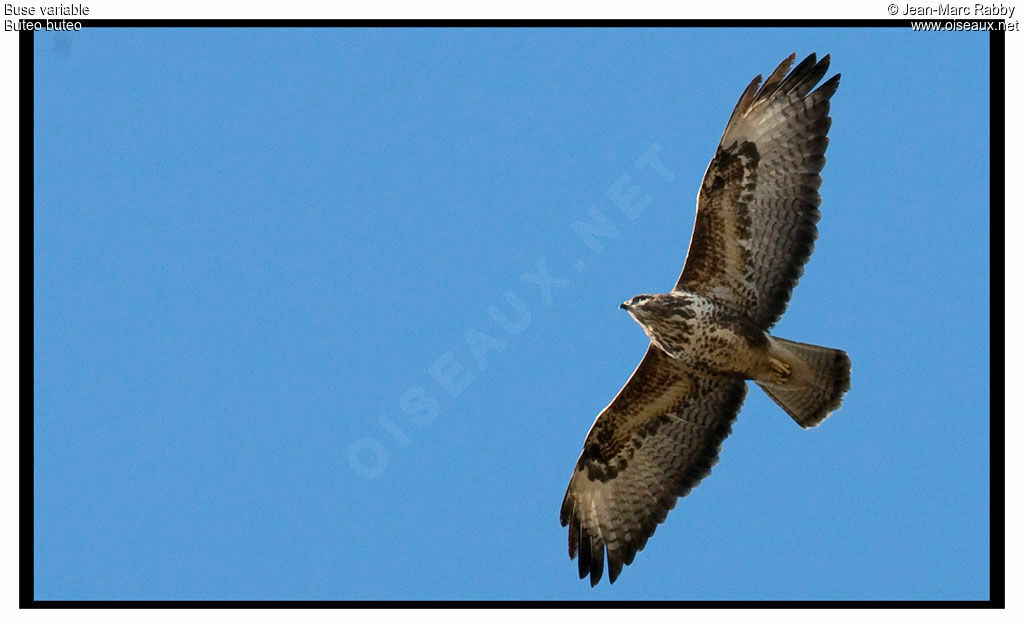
756, 213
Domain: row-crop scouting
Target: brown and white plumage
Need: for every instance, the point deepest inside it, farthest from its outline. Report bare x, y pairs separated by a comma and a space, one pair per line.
754, 231
658, 439
758, 204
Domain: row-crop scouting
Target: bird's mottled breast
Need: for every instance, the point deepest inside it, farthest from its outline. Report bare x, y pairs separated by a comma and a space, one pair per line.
699, 331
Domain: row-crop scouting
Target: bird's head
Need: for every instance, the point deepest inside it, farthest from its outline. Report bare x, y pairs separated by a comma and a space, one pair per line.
637, 302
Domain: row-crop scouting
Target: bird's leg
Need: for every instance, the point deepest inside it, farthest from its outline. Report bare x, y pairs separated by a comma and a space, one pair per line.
780, 370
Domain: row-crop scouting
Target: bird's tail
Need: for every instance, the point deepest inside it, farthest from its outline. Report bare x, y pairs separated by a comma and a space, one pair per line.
819, 377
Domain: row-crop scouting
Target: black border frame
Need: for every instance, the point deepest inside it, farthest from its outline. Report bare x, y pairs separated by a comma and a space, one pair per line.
997, 303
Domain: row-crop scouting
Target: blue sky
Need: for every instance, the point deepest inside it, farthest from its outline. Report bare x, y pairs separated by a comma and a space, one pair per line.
312, 320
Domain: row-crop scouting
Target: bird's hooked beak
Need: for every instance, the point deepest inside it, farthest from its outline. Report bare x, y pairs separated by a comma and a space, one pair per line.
624, 305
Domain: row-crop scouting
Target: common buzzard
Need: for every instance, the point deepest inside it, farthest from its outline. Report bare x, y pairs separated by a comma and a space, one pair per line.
755, 228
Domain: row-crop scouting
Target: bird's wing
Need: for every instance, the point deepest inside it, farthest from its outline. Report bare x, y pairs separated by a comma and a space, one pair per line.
758, 203
657, 439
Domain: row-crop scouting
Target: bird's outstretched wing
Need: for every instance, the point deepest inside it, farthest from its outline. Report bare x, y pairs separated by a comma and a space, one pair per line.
758, 204
657, 439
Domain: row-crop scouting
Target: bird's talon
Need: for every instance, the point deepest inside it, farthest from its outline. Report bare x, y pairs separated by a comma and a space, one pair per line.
781, 370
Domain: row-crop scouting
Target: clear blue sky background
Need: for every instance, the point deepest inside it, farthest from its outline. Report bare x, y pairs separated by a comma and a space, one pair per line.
254, 247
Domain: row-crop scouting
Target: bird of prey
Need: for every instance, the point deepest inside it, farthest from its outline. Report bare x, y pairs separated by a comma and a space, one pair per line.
755, 228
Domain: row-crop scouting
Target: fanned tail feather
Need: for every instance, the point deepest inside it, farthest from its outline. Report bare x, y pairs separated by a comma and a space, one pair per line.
821, 376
